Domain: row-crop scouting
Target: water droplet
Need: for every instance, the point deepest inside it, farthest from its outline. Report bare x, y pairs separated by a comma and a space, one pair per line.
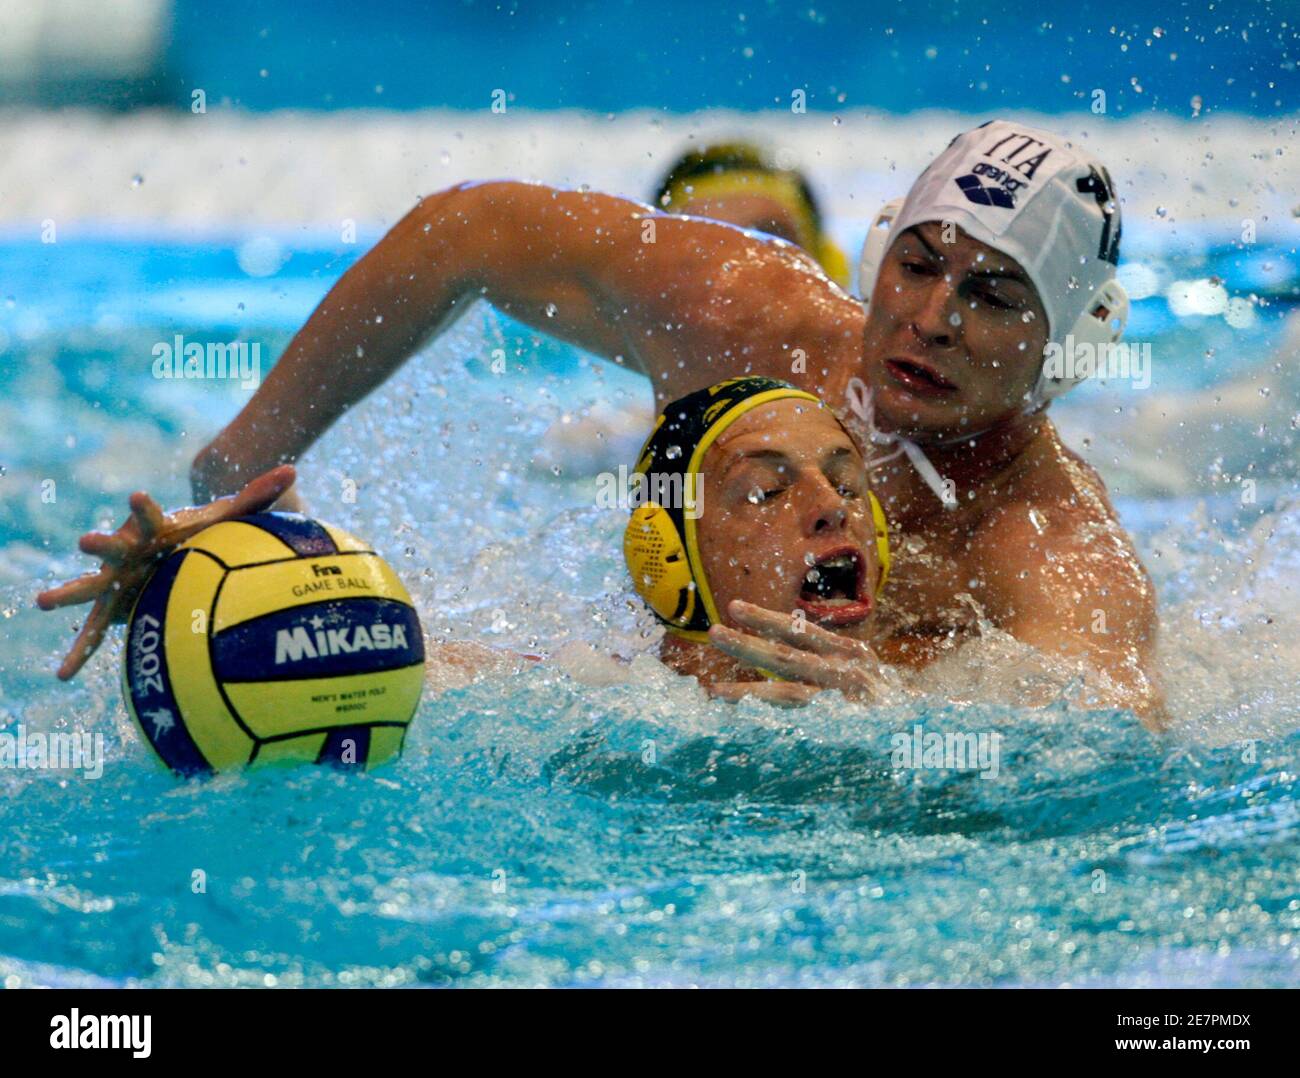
954, 319
137, 180
1028, 316
755, 495
444, 158
551, 309
673, 452
1161, 211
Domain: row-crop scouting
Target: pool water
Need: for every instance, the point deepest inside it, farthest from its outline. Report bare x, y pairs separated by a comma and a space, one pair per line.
542, 829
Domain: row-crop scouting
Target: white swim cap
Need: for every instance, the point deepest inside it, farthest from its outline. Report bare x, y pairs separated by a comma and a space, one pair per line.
1045, 203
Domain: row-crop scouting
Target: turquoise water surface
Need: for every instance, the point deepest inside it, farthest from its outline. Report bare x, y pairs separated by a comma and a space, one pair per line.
544, 830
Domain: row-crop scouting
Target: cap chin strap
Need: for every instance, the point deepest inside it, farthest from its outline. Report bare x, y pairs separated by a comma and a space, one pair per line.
860, 403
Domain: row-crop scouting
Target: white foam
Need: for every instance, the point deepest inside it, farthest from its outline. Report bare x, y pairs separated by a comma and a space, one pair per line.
227, 168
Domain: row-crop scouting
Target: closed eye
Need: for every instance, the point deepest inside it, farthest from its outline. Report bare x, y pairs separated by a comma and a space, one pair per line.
919, 268
987, 295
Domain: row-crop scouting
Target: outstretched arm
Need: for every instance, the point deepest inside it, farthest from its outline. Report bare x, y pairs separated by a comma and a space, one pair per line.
611, 276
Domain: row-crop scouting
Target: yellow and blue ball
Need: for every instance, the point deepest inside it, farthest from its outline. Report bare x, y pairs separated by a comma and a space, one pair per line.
273, 638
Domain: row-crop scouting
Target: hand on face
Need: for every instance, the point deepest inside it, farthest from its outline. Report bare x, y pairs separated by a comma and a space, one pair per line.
813, 658
954, 336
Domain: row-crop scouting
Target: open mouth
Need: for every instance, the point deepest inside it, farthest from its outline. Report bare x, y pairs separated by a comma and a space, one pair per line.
832, 591
919, 378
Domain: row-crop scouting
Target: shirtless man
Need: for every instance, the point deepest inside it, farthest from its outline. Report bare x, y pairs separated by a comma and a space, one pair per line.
1005, 244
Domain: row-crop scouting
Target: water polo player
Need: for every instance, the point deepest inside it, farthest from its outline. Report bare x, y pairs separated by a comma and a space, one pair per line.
751, 500
737, 183
1007, 243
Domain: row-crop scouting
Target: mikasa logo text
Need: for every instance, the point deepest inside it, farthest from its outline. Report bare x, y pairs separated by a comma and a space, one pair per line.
293, 645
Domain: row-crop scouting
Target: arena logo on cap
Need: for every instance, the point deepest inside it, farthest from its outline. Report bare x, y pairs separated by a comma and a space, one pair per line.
1008, 170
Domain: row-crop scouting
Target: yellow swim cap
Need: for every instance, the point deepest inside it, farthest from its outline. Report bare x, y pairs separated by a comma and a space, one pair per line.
735, 168
660, 544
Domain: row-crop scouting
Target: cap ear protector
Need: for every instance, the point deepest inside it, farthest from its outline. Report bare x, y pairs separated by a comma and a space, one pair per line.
875, 246
656, 558
1102, 322
661, 572
660, 544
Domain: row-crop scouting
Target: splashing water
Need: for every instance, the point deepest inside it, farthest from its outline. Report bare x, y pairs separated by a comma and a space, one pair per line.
581, 822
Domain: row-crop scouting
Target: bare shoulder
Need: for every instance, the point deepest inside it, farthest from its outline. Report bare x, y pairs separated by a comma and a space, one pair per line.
723, 302
1058, 541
